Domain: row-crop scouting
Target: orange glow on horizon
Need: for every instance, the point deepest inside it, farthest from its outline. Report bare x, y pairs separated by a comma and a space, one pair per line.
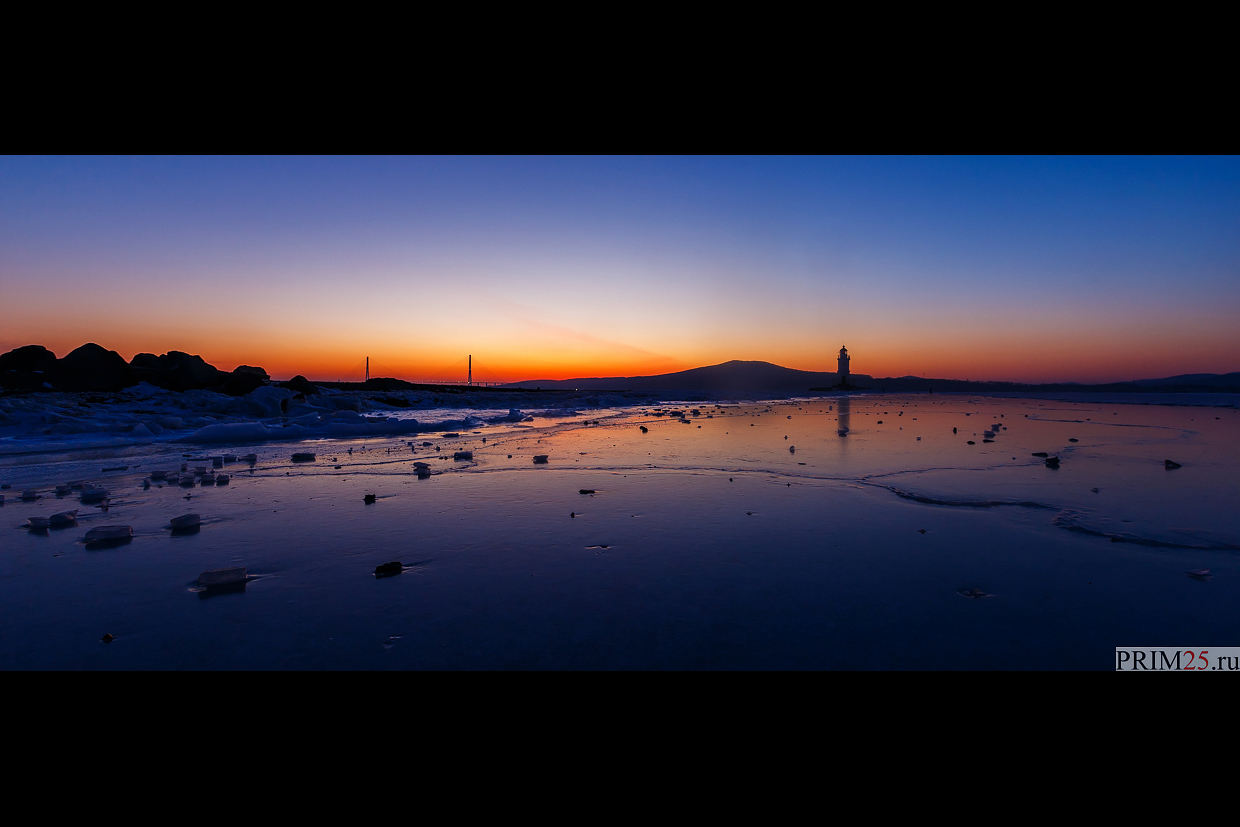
1109, 360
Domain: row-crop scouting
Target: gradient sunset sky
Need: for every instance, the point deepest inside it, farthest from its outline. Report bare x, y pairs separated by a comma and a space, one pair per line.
1034, 269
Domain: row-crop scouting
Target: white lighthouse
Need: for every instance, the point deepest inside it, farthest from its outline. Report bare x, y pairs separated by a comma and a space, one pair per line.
843, 366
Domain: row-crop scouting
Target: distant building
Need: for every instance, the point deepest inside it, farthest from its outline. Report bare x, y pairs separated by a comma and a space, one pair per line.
843, 366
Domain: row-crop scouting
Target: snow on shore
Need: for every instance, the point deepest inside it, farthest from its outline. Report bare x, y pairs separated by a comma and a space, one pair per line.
53, 420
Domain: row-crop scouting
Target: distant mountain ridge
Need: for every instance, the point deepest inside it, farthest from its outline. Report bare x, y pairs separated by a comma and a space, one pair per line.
730, 377
763, 377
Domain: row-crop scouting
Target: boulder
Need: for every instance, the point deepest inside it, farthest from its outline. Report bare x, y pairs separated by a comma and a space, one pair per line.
259, 372
92, 368
28, 358
243, 380
177, 371
147, 361
300, 384
24, 367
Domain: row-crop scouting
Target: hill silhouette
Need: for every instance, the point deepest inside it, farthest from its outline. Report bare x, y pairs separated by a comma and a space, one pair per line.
763, 377
730, 377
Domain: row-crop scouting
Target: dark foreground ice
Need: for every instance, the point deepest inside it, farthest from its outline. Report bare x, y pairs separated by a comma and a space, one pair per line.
747, 536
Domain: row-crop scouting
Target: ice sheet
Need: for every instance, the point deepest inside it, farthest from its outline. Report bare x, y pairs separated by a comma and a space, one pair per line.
708, 543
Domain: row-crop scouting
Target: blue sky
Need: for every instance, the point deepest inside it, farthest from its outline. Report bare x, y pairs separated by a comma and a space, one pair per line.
1081, 269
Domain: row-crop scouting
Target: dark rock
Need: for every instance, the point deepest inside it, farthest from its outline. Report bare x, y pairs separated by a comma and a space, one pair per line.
1042, 454
1052, 462
587, 491
972, 593
971, 442
28, 358
644, 429
1073, 439
108, 638
92, 368
259, 372
388, 569
177, 371
303, 457
301, 384
369, 499
21, 380
953, 430
144, 361
1170, 465
240, 383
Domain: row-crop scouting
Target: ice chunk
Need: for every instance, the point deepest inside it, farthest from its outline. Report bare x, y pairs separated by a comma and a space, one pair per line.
63, 520
105, 533
186, 521
140, 431
230, 432
222, 577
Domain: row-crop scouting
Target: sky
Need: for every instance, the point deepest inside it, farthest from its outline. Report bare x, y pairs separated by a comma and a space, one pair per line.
1025, 269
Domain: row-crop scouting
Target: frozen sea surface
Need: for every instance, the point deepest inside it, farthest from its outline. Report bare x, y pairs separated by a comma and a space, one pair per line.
745, 536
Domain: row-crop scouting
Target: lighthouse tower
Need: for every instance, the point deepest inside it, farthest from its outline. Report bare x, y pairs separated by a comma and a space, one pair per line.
843, 366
